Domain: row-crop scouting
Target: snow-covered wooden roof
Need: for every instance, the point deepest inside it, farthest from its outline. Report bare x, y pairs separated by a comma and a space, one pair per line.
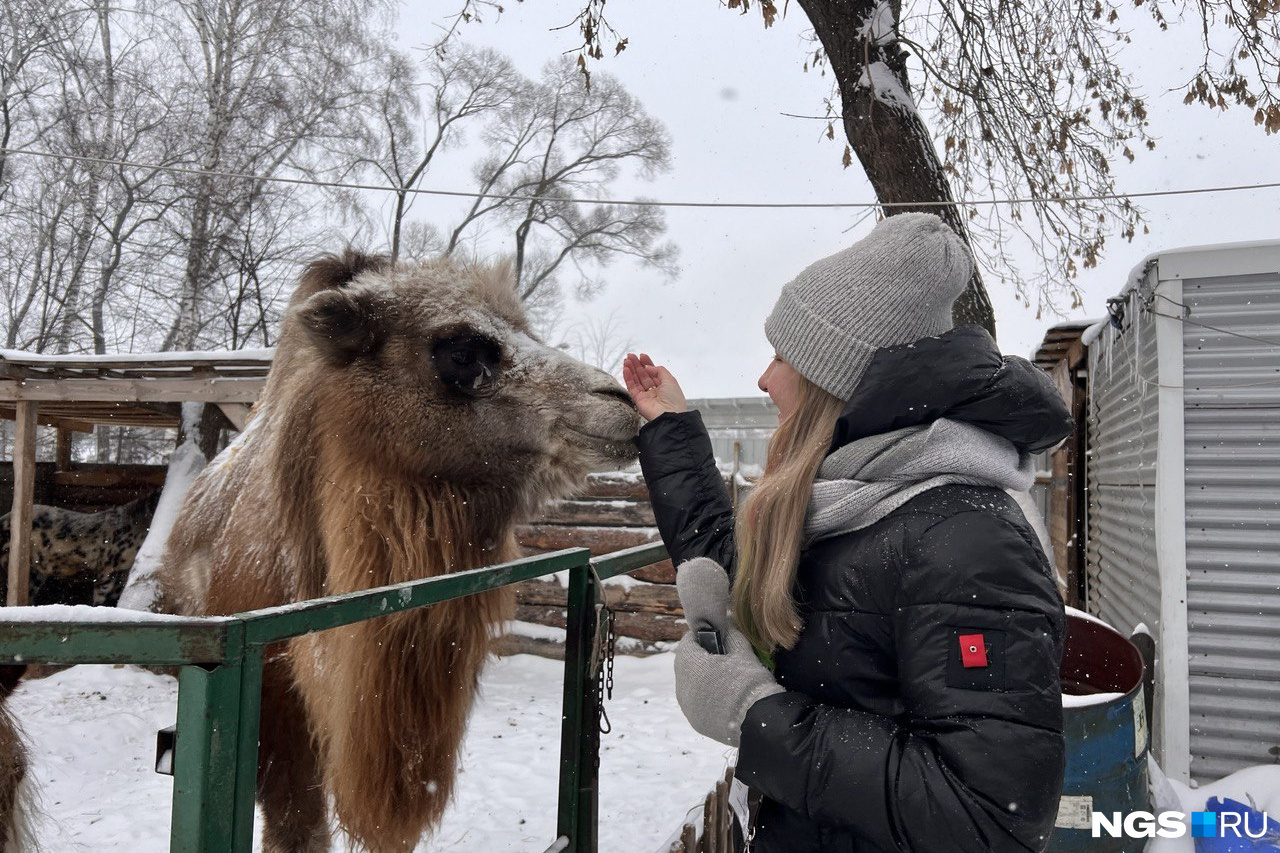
129, 389
1058, 341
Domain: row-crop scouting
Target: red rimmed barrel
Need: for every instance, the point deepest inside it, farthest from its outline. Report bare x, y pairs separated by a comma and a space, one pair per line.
1107, 736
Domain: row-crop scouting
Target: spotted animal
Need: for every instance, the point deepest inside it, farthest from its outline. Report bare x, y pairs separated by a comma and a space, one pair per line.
81, 557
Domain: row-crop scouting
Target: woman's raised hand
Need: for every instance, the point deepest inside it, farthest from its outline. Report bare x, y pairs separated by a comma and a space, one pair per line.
653, 388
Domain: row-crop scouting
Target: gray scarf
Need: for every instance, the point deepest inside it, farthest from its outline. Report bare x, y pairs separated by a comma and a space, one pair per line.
867, 479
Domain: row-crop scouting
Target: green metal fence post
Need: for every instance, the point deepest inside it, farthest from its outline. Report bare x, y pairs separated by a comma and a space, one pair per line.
246, 775
580, 730
204, 761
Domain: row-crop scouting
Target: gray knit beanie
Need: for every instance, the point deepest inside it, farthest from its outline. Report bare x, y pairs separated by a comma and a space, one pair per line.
894, 286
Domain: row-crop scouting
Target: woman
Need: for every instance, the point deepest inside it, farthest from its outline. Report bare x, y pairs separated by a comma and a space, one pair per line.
880, 564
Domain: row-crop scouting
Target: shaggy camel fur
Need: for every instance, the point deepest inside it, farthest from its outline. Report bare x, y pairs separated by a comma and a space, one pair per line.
13, 768
410, 420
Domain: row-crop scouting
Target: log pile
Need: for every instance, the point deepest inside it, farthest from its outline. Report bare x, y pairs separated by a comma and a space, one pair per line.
614, 513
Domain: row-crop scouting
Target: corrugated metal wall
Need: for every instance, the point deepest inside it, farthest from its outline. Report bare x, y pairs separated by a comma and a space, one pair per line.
1122, 581
1232, 434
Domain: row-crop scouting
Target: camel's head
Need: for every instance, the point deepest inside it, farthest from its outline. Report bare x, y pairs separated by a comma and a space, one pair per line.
431, 370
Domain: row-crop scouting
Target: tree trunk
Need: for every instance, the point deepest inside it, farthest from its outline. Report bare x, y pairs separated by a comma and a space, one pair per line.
893, 145
182, 334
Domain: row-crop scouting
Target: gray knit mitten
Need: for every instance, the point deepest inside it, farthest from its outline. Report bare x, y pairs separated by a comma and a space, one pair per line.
715, 691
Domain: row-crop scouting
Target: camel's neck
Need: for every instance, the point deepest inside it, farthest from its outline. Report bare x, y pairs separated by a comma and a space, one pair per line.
378, 533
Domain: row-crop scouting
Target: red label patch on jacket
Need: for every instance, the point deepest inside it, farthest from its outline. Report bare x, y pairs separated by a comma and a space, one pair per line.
976, 657
973, 650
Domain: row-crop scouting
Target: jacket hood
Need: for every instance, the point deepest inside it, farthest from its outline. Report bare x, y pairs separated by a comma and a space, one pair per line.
960, 375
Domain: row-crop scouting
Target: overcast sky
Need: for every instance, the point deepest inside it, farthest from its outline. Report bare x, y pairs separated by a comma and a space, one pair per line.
721, 84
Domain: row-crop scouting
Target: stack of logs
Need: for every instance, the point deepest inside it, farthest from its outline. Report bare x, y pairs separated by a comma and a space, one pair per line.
614, 513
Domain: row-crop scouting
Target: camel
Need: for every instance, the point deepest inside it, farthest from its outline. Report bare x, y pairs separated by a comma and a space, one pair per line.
410, 419
14, 808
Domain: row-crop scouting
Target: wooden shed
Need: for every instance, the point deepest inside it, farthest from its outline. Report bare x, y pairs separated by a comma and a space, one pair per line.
1065, 358
78, 392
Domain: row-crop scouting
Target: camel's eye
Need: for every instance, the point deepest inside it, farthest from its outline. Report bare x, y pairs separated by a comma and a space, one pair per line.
466, 361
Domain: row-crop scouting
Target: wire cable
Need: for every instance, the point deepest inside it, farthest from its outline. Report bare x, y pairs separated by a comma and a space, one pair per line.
214, 173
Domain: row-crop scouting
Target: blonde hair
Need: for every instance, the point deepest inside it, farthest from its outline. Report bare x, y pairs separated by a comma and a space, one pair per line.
769, 530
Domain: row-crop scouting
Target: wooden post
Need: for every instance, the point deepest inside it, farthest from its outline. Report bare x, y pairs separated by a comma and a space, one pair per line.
24, 495
733, 476
64, 449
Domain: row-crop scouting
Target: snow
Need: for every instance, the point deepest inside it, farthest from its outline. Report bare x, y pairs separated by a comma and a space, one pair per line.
1258, 787
628, 476
1080, 614
184, 465
1090, 335
625, 581
33, 358
884, 84
81, 613
878, 26
92, 731
535, 631
1072, 701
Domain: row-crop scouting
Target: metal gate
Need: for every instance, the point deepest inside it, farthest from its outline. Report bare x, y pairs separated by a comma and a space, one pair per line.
220, 684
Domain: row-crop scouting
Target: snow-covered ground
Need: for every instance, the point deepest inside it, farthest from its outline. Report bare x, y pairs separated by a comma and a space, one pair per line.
1257, 787
92, 731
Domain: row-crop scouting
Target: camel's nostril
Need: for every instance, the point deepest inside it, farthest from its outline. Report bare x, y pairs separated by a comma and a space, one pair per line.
617, 394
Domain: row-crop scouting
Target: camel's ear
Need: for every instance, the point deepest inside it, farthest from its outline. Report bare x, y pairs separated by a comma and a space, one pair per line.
329, 272
335, 270
344, 324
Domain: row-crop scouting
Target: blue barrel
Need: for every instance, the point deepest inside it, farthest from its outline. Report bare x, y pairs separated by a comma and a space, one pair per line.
1106, 741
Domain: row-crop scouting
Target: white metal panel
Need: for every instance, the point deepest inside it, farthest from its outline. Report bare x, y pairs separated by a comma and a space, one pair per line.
1173, 696
748, 422
1123, 586
1232, 380
1226, 259
1230, 717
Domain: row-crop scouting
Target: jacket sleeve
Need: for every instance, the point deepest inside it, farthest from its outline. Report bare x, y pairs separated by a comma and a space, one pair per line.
975, 762
690, 502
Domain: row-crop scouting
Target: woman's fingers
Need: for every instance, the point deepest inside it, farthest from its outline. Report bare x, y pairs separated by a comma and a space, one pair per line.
635, 372
654, 390
646, 368
629, 377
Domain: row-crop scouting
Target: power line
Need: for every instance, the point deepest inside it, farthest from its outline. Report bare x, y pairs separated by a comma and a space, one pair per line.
861, 205
1205, 386
1241, 335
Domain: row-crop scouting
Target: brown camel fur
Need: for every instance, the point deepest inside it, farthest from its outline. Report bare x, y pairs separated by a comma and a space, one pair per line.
13, 767
410, 420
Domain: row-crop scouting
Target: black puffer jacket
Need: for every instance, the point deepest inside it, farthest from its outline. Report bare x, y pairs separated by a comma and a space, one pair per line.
885, 740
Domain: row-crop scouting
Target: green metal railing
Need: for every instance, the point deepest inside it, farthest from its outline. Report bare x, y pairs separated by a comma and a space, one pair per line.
220, 685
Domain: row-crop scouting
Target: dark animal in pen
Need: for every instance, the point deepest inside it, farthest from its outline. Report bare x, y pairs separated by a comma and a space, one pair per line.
81, 557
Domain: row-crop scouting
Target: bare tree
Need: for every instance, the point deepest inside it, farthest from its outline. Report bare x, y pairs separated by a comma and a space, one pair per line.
1026, 100
273, 84
29, 31
79, 215
558, 142
545, 143
422, 113
598, 341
